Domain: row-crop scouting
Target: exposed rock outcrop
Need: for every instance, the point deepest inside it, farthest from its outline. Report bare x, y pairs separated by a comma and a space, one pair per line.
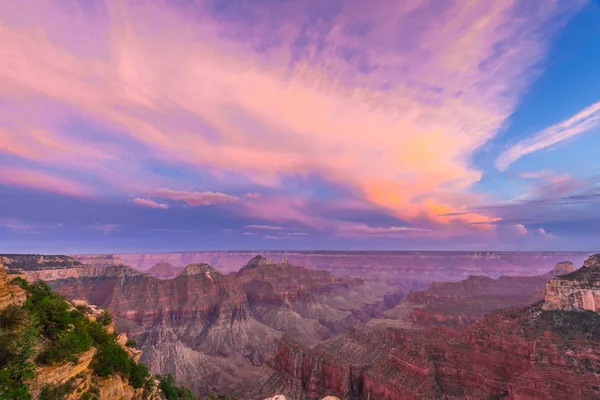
9, 293
59, 374
576, 291
213, 330
519, 353
562, 268
464, 302
410, 269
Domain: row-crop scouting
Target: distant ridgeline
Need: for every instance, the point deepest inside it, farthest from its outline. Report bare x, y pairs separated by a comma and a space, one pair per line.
29, 262
51, 349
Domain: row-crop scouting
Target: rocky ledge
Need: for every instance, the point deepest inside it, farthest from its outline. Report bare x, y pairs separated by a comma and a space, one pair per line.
575, 291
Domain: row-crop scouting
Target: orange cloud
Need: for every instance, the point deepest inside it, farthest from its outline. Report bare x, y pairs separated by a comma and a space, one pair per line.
400, 131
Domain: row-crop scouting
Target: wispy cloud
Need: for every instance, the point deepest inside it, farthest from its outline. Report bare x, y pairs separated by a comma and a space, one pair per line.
196, 199
264, 227
252, 96
149, 203
105, 228
582, 122
42, 180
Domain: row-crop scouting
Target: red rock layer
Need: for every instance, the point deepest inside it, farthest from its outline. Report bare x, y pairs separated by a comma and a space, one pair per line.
523, 353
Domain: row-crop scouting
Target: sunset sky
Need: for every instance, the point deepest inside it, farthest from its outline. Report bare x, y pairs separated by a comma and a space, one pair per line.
165, 125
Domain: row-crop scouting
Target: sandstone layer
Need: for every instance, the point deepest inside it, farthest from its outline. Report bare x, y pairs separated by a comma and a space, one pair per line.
216, 331
576, 291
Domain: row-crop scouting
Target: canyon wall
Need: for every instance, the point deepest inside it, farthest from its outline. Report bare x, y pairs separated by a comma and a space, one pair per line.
413, 269
216, 331
576, 291
542, 351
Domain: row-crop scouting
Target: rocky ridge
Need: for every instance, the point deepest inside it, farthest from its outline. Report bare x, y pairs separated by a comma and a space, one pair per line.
576, 291
216, 331
465, 302
411, 269
74, 379
518, 353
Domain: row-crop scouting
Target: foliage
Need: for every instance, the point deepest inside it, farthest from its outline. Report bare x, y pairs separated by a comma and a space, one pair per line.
131, 343
12, 318
172, 391
139, 375
56, 392
215, 396
18, 368
48, 322
111, 359
49, 310
67, 347
105, 319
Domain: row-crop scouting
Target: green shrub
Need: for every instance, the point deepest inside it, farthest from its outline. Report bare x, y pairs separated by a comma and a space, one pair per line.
49, 310
56, 392
172, 391
110, 359
131, 343
13, 317
105, 319
139, 374
67, 347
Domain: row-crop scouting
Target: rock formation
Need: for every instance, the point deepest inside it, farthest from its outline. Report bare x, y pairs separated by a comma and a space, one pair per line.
466, 301
576, 291
519, 353
216, 331
411, 269
9, 293
34, 267
164, 270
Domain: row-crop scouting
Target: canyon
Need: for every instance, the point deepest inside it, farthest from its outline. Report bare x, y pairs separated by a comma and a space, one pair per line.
542, 351
416, 268
215, 331
273, 327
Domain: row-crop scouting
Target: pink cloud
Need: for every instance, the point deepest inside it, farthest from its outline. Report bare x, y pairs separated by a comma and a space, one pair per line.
406, 149
149, 203
196, 199
41, 180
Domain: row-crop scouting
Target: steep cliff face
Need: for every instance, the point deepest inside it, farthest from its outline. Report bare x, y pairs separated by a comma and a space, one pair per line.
520, 353
464, 302
52, 349
576, 291
34, 267
9, 293
216, 331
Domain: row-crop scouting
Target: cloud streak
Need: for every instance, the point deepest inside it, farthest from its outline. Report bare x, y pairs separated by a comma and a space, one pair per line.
149, 203
582, 122
196, 199
249, 98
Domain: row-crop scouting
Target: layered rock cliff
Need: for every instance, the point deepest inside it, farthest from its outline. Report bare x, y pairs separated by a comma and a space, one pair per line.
576, 291
10, 293
34, 267
464, 302
52, 349
216, 331
542, 351
411, 269
520, 353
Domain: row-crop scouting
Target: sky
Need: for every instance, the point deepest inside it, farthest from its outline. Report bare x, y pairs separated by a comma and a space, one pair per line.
171, 125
